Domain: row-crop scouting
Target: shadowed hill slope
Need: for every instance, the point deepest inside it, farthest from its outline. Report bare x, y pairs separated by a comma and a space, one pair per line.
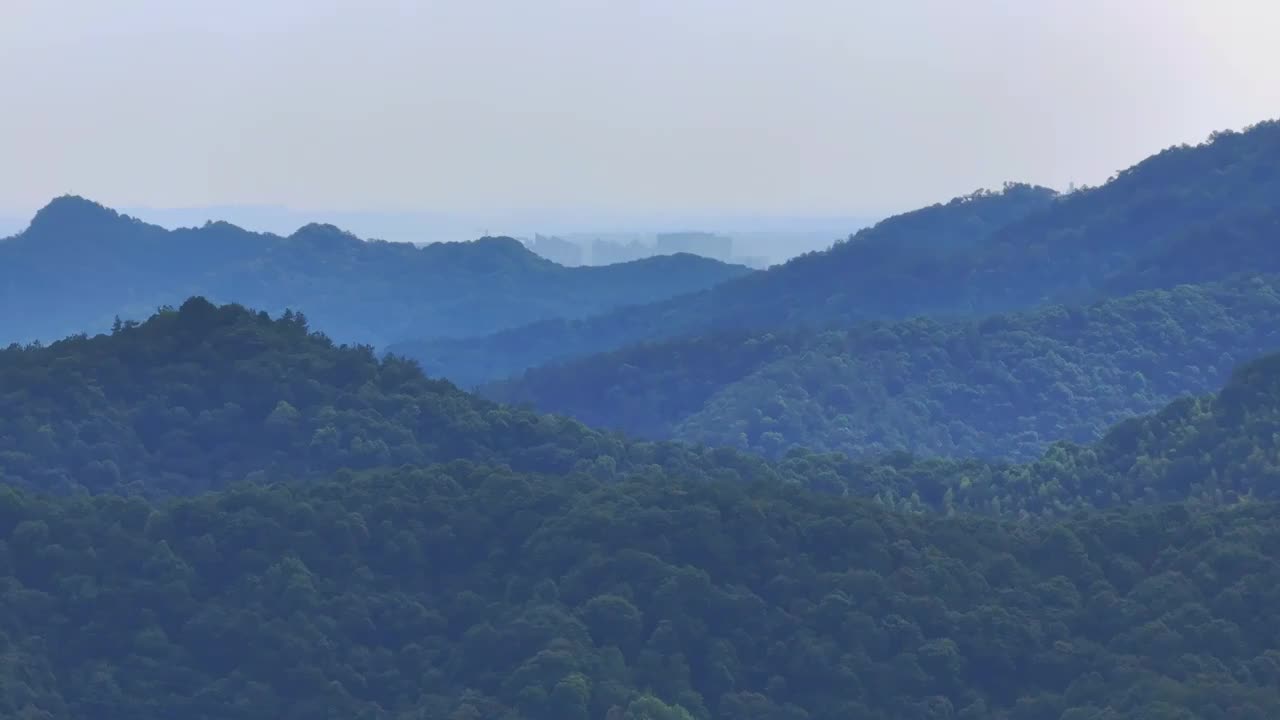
1002, 387
204, 396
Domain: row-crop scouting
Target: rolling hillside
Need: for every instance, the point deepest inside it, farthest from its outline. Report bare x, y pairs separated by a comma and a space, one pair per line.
365, 542
205, 397
1003, 387
468, 591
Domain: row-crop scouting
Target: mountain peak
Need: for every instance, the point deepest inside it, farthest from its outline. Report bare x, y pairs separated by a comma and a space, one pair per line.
501, 243
488, 251
72, 212
324, 235
503, 249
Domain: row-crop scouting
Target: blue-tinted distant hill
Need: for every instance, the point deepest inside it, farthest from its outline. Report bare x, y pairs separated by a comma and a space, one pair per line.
79, 265
1002, 387
810, 287
1155, 225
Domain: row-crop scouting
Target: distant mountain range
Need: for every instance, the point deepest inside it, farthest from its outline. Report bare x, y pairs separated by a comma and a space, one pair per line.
79, 265
1189, 214
756, 234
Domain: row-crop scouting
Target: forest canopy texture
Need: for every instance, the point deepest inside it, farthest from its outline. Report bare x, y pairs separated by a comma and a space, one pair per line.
525, 567
1002, 387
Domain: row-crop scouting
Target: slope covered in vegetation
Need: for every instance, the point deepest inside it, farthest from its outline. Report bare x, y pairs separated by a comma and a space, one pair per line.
202, 396
79, 265
523, 567
466, 592
1215, 450
1160, 223
1002, 387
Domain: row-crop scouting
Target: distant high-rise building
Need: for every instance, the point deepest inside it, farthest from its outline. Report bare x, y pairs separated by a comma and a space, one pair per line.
608, 252
705, 244
759, 262
557, 250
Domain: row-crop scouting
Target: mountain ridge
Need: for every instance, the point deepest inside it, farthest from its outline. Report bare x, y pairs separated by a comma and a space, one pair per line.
202, 397
80, 264
1040, 247
1003, 387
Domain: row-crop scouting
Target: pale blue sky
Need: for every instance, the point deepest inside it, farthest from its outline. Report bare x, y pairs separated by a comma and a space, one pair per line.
725, 106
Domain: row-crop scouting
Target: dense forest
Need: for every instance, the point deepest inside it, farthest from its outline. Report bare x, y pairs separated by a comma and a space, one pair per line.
1217, 450
468, 592
204, 397
80, 264
1005, 386
378, 544
1163, 222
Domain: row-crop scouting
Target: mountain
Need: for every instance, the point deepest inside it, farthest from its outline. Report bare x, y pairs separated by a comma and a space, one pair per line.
1151, 226
1002, 387
1210, 451
204, 396
778, 296
366, 542
79, 265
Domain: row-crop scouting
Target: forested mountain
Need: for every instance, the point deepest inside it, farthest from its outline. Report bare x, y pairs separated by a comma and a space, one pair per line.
203, 396
1002, 387
524, 567
1221, 449
1160, 223
79, 265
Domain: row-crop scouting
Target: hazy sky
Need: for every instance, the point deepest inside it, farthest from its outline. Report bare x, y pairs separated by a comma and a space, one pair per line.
736, 106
